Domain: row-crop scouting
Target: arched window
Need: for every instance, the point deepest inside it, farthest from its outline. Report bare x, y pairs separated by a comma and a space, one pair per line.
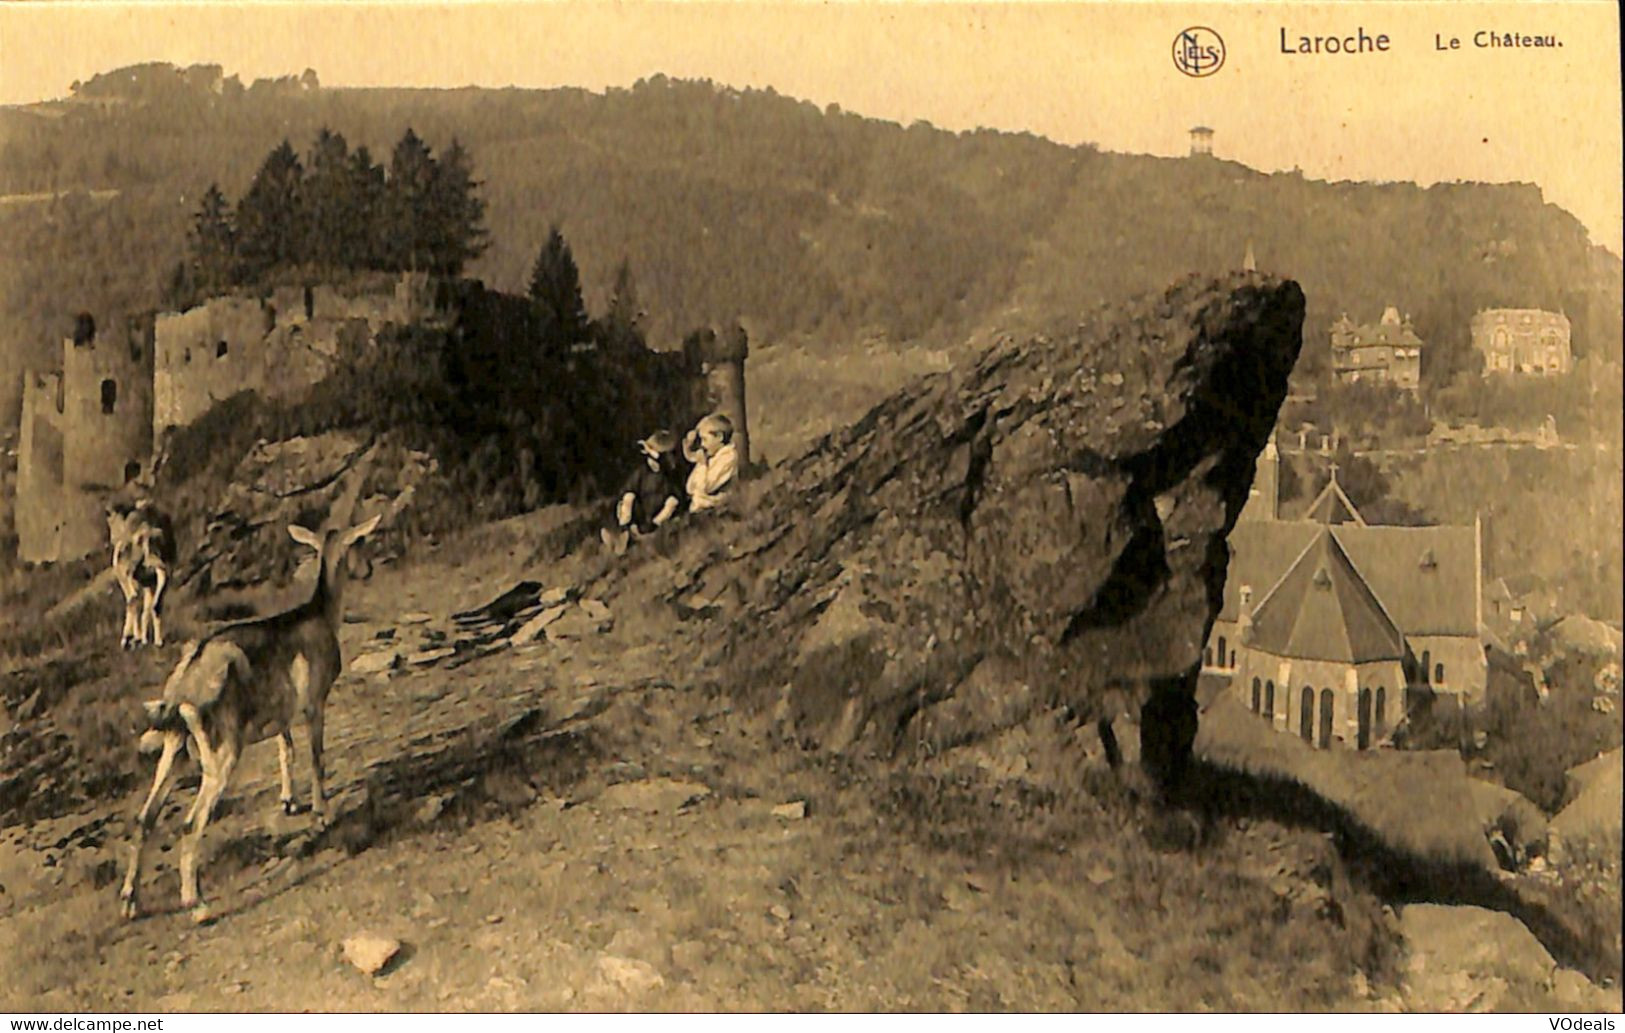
1258, 689
1427, 662
1232, 658
1221, 651
1382, 706
1438, 674
1269, 700
1363, 725
109, 396
1210, 656
1306, 715
1327, 700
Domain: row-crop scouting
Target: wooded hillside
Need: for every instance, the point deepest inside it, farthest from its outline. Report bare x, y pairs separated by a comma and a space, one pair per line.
818, 227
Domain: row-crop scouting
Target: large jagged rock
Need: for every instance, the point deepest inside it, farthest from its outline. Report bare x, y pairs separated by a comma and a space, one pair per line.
1047, 526
242, 538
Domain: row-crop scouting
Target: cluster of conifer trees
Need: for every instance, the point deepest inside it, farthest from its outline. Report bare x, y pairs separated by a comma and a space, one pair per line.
337, 211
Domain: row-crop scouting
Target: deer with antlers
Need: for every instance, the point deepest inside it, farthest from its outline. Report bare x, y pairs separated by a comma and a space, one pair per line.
243, 684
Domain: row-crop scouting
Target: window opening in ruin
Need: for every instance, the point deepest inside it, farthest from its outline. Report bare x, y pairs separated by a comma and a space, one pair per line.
1306, 715
1438, 674
109, 396
310, 303
1258, 689
220, 349
132, 470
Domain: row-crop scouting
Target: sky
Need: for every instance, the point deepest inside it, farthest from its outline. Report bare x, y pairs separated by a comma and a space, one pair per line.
1100, 73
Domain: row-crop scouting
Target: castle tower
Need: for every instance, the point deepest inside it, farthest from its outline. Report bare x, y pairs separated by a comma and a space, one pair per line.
1201, 141
39, 468
107, 424
723, 357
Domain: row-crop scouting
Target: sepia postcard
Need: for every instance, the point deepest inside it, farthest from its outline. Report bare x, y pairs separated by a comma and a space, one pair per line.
860, 507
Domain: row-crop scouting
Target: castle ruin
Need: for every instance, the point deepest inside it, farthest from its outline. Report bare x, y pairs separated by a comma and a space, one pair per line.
89, 428
86, 430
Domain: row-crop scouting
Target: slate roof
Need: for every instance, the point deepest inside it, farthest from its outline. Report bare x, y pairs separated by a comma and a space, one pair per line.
1323, 609
1423, 577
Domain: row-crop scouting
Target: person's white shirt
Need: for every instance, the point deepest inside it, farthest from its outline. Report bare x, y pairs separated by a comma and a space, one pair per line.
712, 477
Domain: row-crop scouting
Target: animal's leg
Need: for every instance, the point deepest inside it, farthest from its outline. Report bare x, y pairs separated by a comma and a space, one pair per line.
132, 596
157, 601
145, 819
216, 777
144, 618
284, 756
313, 746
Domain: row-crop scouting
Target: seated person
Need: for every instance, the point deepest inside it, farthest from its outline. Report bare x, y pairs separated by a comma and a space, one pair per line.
710, 447
651, 496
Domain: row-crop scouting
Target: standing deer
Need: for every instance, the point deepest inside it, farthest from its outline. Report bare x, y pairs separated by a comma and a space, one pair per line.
143, 551
240, 685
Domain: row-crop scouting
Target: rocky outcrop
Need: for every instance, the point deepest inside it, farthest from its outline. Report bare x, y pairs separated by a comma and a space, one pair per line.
241, 538
1045, 527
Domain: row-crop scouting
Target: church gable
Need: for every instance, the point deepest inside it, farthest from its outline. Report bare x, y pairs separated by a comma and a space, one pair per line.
1323, 609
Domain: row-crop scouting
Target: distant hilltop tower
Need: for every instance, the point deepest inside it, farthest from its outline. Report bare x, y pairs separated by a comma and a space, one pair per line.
1201, 141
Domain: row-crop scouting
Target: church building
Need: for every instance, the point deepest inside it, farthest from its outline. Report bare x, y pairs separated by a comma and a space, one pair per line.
1332, 628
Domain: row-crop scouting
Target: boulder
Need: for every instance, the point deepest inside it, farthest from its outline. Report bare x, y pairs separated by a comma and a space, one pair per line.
1045, 525
370, 952
1591, 826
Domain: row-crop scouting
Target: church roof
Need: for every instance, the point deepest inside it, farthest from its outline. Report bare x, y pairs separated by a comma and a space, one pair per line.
1424, 576
1333, 506
1323, 609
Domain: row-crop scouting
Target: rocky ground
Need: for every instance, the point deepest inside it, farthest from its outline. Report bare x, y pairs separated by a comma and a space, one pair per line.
583, 822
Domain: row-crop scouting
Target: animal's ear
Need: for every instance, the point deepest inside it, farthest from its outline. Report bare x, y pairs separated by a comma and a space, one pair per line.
361, 530
305, 536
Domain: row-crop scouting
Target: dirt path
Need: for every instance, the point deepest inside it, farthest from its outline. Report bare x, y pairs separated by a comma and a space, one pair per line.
589, 828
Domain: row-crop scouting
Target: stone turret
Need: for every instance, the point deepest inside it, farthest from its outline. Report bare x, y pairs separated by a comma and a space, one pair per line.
722, 369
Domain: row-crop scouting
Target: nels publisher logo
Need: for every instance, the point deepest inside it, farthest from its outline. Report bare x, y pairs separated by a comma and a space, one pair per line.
1198, 51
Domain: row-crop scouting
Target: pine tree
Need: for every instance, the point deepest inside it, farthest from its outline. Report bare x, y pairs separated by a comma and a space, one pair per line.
555, 295
368, 192
329, 216
213, 267
268, 216
456, 213
407, 227
623, 320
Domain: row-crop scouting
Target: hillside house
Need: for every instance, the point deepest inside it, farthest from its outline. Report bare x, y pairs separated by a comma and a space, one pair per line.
1331, 627
1386, 352
1523, 341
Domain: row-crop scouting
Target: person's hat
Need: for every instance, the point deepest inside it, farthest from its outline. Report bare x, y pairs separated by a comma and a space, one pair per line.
657, 443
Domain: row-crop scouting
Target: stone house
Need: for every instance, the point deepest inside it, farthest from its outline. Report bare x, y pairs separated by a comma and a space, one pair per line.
1523, 341
1385, 352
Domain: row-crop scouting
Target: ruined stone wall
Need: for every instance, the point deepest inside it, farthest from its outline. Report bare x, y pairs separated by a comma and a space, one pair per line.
207, 354
39, 469
277, 347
